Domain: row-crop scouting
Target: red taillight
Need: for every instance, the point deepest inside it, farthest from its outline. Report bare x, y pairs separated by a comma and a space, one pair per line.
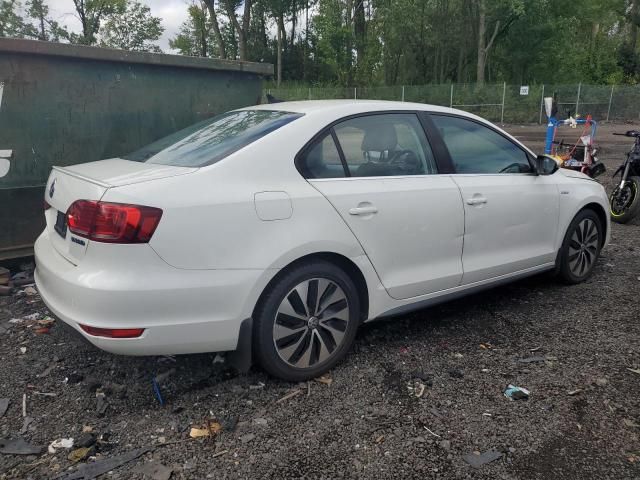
112, 332
113, 222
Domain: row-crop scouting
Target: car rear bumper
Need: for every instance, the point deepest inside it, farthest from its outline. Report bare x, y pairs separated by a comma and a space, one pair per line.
129, 286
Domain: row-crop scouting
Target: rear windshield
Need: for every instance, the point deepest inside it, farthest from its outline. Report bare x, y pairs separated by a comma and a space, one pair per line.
213, 139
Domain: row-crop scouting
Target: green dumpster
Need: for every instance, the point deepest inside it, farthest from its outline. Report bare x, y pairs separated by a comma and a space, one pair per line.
66, 104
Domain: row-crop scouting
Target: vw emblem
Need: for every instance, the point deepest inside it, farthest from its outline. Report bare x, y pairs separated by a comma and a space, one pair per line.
52, 188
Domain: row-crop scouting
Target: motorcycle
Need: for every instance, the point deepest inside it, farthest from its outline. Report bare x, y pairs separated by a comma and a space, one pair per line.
624, 201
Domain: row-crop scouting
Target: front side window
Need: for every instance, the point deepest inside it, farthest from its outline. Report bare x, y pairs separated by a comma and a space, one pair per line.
475, 148
211, 140
385, 145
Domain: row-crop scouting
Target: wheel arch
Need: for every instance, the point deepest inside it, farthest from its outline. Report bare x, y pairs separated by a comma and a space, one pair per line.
337, 259
602, 216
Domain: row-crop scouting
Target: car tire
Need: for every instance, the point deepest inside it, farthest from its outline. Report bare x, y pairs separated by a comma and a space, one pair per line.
306, 321
581, 247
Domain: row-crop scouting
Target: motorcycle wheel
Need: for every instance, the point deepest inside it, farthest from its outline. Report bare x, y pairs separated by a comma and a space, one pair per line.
624, 204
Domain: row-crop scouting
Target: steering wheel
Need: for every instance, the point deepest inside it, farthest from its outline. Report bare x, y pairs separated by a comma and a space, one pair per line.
406, 161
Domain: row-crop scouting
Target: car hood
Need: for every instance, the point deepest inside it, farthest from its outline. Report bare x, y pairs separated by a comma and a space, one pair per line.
116, 172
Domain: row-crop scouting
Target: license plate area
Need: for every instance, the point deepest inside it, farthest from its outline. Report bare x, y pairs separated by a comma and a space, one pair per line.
61, 224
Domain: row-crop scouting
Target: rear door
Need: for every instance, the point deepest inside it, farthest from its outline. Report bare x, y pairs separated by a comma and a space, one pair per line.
380, 174
511, 214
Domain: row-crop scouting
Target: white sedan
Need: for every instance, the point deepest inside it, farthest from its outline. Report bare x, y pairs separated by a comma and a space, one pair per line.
276, 230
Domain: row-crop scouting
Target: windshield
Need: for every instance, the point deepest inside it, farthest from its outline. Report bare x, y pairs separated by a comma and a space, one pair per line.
213, 139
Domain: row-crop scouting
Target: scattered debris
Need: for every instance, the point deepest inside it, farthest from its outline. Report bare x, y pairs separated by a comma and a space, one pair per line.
25, 425
218, 358
516, 393
634, 370
87, 439
30, 291
259, 386
4, 405
574, 392
416, 388
601, 382
456, 373
262, 422
18, 447
458, 355
289, 395
101, 403
45, 394
445, 445
80, 454
23, 350
219, 454
24, 404
486, 346
74, 378
247, 438
535, 349
209, 429
434, 434
326, 379
60, 443
532, 360
5, 275
630, 423
89, 471
154, 470
229, 423
477, 459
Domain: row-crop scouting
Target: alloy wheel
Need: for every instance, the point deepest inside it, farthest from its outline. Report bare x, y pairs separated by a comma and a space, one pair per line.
621, 199
311, 323
583, 247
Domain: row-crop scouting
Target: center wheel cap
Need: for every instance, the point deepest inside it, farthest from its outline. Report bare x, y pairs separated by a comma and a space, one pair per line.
313, 322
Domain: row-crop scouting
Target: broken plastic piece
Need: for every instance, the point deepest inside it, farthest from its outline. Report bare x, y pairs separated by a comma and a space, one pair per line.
516, 393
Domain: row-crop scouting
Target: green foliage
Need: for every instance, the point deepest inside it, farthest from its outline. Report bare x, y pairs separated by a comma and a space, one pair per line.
132, 28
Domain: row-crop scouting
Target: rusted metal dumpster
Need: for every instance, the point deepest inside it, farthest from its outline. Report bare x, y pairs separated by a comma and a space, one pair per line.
65, 104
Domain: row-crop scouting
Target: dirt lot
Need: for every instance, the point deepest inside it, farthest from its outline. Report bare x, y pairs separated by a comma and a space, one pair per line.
582, 419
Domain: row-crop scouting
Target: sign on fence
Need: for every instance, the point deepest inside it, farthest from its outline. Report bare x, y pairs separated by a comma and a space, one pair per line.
524, 90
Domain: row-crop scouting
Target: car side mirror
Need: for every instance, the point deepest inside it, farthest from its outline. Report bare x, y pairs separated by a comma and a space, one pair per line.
546, 165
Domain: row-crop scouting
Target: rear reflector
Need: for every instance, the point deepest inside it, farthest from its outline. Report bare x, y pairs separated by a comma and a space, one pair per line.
112, 222
113, 332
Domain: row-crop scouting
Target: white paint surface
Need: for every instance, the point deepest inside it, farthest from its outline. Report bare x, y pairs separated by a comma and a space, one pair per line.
1, 92
5, 165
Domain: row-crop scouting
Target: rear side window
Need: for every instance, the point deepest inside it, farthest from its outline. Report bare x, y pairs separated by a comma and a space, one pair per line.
322, 160
475, 148
211, 140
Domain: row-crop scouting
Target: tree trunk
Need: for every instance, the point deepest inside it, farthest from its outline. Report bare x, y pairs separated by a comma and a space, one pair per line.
294, 21
483, 45
222, 48
359, 27
241, 29
279, 56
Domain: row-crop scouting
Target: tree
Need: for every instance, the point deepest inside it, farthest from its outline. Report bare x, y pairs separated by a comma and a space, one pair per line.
241, 29
45, 28
133, 28
11, 23
215, 26
91, 13
194, 36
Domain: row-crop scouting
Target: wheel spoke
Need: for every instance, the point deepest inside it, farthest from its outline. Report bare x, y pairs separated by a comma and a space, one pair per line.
337, 309
312, 296
287, 308
295, 299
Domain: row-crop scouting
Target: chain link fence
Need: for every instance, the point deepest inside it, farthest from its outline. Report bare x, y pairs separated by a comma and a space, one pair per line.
496, 102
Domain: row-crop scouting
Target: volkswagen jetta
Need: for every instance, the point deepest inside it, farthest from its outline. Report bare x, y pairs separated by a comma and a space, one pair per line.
279, 229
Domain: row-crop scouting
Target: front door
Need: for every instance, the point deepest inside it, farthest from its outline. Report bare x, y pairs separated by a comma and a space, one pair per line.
511, 214
379, 173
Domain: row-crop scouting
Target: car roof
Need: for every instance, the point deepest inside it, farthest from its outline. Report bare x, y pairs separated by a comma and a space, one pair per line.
343, 107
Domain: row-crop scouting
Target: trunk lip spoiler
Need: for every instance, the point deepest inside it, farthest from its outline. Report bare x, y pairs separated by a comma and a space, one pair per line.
82, 177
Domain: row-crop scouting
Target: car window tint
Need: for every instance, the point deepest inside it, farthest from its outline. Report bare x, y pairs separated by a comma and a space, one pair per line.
213, 139
475, 148
322, 160
385, 145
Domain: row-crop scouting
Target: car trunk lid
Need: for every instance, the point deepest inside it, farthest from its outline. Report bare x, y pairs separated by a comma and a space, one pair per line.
90, 181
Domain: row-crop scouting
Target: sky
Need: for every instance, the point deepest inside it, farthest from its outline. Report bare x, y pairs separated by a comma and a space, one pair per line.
172, 13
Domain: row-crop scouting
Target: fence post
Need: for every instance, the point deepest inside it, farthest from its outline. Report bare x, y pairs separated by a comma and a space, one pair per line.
504, 93
541, 105
451, 97
610, 100
309, 93
578, 98
355, 93
403, 93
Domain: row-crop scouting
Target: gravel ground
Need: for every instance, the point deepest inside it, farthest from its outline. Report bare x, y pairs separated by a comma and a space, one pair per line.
582, 419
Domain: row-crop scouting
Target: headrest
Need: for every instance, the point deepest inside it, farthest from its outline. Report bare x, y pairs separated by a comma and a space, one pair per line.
379, 137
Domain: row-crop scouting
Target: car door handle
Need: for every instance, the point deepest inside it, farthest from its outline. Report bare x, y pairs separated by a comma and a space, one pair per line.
476, 200
363, 210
